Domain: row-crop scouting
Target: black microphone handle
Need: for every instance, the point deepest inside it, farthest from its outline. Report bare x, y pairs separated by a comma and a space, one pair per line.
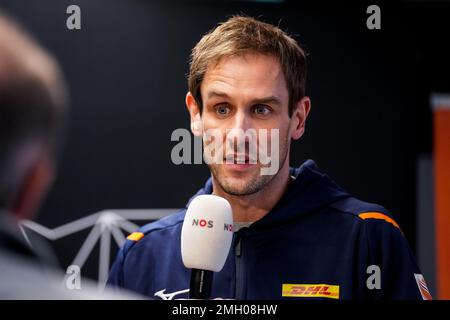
201, 284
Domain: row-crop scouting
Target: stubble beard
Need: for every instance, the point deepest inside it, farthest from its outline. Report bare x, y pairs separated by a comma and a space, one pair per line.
247, 186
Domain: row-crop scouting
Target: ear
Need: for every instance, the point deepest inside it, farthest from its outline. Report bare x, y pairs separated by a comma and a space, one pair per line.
298, 119
34, 187
194, 112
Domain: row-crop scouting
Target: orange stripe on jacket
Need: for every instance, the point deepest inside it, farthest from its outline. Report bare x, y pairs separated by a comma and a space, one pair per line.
378, 215
135, 236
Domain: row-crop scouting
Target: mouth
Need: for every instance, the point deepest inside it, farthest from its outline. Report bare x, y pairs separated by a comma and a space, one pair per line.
239, 163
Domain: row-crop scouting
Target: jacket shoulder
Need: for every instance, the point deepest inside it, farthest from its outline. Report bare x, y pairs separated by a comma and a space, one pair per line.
143, 232
366, 211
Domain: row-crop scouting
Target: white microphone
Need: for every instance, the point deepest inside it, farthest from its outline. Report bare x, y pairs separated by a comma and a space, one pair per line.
206, 238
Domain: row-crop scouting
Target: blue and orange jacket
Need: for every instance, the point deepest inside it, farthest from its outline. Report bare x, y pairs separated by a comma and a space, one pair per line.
318, 242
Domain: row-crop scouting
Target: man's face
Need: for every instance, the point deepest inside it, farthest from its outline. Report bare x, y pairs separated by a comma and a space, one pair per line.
246, 92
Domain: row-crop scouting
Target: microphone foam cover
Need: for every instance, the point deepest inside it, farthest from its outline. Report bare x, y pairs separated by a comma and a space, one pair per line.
207, 233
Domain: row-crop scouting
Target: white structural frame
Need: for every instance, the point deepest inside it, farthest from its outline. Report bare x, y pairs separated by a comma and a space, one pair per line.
103, 224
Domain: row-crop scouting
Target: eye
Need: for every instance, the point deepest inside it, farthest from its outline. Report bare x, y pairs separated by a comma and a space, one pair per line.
262, 110
222, 110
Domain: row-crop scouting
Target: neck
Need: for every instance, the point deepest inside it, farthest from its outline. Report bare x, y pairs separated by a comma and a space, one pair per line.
250, 208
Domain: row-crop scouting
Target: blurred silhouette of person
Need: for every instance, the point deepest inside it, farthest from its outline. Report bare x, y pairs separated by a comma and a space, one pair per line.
33, 105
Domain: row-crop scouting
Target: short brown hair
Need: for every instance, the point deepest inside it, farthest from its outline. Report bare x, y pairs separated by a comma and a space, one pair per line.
239, 35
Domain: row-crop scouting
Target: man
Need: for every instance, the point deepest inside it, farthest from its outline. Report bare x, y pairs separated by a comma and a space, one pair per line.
298, 235
32, 109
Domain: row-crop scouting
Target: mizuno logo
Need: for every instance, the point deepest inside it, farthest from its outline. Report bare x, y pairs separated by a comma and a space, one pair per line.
169, 296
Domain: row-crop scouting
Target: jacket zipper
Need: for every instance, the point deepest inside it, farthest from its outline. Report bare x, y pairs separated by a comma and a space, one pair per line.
239, 280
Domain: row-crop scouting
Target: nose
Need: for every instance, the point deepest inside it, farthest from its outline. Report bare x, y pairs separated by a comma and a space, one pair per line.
241, 121
239, 136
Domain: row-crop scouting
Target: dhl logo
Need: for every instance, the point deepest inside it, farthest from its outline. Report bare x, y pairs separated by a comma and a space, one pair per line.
310, 290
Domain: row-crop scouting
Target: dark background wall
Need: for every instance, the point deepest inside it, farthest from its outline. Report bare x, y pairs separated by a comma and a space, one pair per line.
126, 71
